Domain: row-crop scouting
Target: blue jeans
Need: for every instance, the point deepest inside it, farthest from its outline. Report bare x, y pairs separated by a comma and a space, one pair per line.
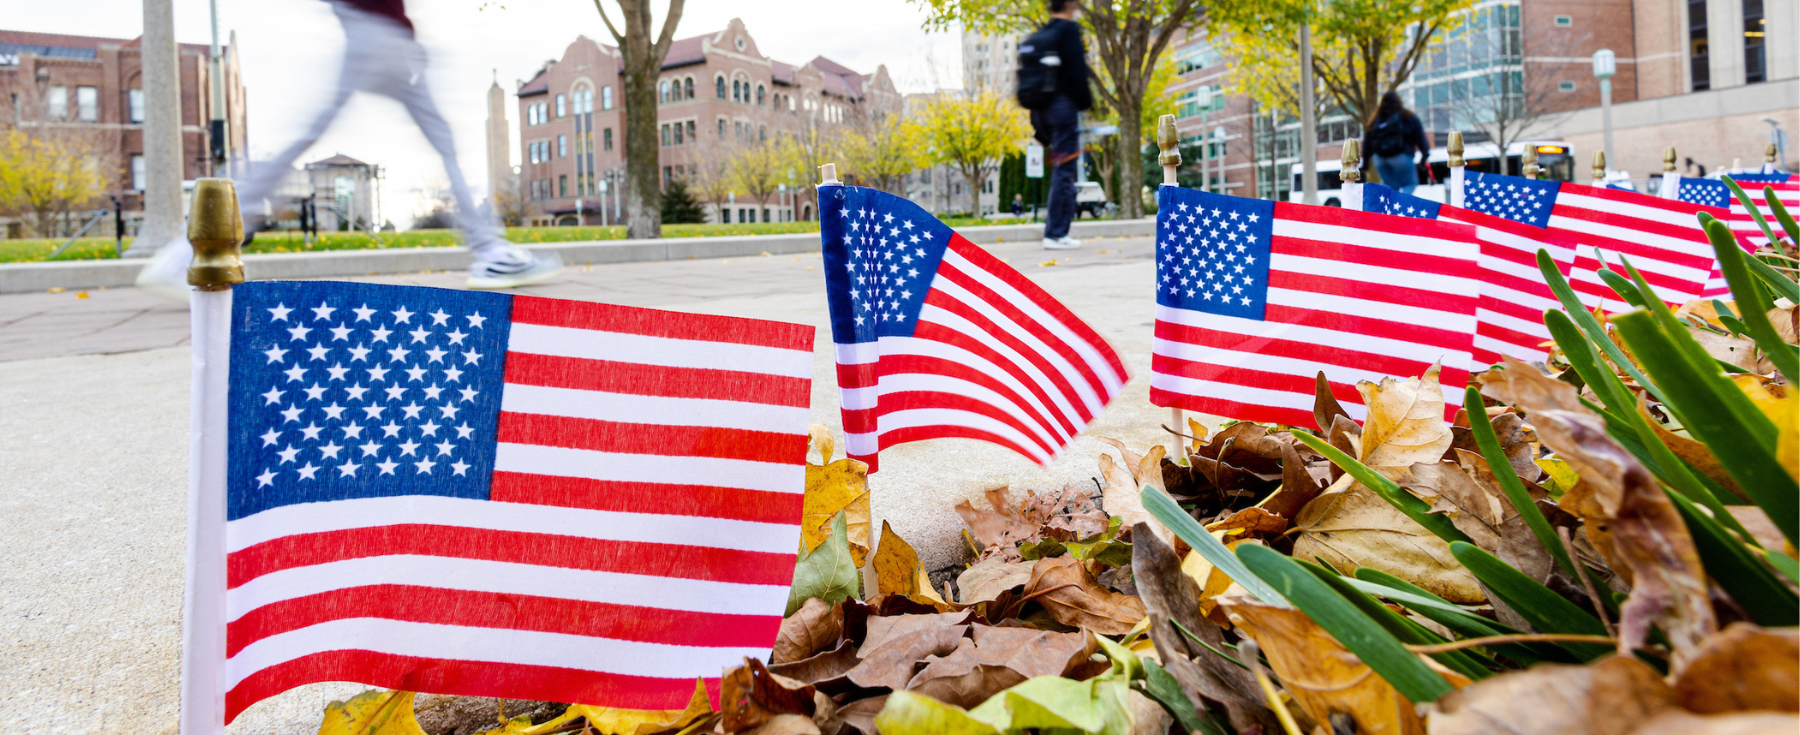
1060, 123
1398, 172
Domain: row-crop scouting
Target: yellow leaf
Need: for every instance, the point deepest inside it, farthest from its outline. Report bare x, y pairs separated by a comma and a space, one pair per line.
896, 565
1562, 476
1781, 403
1406, 421
1349, 526
1323, 676
615, 721
1212, 581
374, 712
832, 487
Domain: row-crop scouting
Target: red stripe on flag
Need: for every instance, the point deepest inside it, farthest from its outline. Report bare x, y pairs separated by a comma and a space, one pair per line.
508, 611
998, 332
1298, 350
1423, 263
657, 323
524, 368
1299, 385
905, 400
1386, 293
647, 497
1446, 339
651, 439
465, 678
939, 333
1237, 410
1012, 277
896, 437
859, 421
542, 549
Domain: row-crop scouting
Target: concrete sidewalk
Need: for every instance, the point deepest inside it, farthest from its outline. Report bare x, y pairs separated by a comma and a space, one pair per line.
77, 274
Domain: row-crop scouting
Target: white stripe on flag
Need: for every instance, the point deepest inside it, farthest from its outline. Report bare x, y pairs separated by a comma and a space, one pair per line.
1065, 370
1401, 349
1381, 275
913, 346
628, 408
340, 515
1634, 210
920, 417
1050, 386
531, 459
1098, 362
495, 645
589, 344
507, 578
865, 398
1245, 394
1409, 244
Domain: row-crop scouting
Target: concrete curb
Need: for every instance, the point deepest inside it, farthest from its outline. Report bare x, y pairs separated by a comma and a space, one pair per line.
32, 277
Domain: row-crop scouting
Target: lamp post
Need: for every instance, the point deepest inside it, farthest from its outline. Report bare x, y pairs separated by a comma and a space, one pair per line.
221, 143
1219, 135
1309, 127
1604, 68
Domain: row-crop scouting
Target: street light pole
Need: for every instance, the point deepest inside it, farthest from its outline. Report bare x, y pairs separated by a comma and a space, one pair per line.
1604, 68
221, 144
1309, 127
163, 219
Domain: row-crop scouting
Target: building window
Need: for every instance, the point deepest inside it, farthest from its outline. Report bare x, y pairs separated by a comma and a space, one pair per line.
562, 186
87, 102
1699, 62
679, 138
606, 138
724, 216
606, 97
665, 135
721, 128
137, 171
134, 102
1565, 86
687, 88
690, 132
1564, 21
562, 146
561, 110
720, 83
759, 95
1756, 68
56, 105
667, 173
762, 133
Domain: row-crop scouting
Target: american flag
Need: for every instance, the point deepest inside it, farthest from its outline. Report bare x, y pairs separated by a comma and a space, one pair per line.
507, 496
1254, 298
1714, 193
1514, 295
938, 338
1662, 238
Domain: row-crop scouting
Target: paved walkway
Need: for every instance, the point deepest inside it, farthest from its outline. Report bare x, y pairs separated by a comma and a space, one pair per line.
93, 419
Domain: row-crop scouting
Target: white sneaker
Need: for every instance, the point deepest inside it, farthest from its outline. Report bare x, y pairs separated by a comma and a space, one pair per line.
1061, 243
514, 268
166, 273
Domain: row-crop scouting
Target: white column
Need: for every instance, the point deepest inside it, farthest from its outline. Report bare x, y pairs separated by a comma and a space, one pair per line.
1725, 41
163, 222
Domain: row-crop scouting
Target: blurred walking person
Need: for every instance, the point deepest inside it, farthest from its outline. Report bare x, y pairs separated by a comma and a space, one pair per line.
1053, 85
1391, 140
381, 57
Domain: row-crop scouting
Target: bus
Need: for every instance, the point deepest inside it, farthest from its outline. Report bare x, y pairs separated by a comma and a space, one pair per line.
1556, 160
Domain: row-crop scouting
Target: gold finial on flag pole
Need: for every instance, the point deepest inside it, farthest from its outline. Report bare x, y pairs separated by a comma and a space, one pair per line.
1352, 162
1599, 167
1169, 141
1671, 181
216, 229
1530, 169
1769, 153
1455, 149
1669, 159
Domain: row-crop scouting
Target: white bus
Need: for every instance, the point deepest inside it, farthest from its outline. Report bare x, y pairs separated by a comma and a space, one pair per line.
1556, 158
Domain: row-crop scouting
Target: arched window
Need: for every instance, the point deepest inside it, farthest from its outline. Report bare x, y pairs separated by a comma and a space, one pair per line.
759, 95
721, 128
688, 87
720, 83
662, 91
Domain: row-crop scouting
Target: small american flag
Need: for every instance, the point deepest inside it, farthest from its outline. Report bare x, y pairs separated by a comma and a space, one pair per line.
938, 338
1714, 193
1254, 298
1662, 238
1514, 295
506, 496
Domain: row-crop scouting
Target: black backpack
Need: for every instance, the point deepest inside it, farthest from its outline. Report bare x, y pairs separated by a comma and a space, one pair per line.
1388, 137
1038, 68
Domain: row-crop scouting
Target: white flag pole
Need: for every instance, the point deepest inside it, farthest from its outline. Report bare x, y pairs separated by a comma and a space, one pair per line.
1168, 143
1454, 148
216, 229
1351, 174
1671, 181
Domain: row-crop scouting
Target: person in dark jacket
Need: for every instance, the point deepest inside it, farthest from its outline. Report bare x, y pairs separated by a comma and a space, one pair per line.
1390, 141
1058, 125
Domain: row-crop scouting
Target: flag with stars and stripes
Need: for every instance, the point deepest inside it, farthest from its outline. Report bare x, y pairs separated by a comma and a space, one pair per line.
1714, 193
1662, 238
1514, 294
1255, 298
938, 338
504, 496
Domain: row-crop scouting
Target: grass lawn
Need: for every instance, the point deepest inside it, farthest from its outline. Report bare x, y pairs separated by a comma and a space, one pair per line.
24, 251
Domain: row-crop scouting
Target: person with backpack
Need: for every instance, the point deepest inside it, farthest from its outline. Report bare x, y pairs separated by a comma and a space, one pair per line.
1390, 141
1053, 85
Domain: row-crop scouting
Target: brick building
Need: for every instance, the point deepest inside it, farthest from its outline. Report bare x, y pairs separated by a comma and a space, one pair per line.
90, 90
717, 92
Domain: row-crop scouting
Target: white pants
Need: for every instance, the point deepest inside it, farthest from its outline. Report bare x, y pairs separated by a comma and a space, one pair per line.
380, 57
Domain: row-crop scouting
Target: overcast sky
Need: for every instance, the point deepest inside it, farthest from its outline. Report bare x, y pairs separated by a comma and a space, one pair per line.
289, 53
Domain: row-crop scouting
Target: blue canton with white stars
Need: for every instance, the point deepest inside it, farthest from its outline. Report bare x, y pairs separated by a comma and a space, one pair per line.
1212, 252
349, 390
1759, 178
1382, 199
1513, 197
881, 253
1710, 192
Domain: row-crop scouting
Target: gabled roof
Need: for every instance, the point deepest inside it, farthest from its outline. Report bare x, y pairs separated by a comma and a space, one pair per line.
685, 51
539, 84
831, 67
781, 72
338, 160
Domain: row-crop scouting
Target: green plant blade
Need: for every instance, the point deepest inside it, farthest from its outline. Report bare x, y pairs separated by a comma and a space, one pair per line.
1362, 636
1458, 620
1572, 305
1164, 508
1730, 434
1753, 309
1734, 566
1485, 439
1547, 611
1418, 510
1783, 563
1623, 287
1781, 214
1403, 630
1755, 213
1161, 686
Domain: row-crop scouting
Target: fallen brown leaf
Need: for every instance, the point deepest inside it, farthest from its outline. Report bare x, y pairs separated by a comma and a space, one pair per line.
1350, 526
821, 667
1692, 452
996, 659
1251, 521
1324, 678
1065, 589
1467, 492
750, 696
1326, 408
1405, 425
1299, 485
988, 578
812, 628
835, 486
1125, 484
892, 652
1743, 667
1677, 722
896, 565
1611, 697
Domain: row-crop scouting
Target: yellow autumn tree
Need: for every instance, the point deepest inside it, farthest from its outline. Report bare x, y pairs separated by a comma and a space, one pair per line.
759, 169
47, 175
882, 153
972, 132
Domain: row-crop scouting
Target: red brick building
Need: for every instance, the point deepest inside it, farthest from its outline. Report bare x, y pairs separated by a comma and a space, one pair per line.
90, 89
717, 91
